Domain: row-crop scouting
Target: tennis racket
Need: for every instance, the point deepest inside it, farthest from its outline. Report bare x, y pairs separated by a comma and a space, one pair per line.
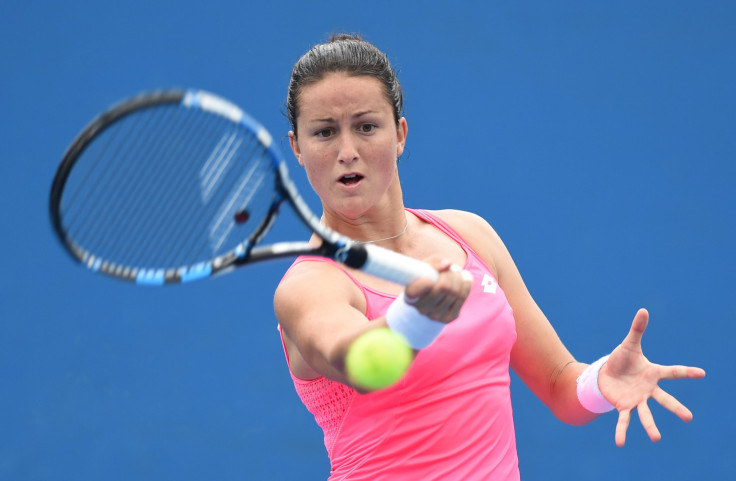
174, 186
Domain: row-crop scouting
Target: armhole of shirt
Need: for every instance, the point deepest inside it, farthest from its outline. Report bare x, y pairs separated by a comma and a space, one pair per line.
299, 260
452, 233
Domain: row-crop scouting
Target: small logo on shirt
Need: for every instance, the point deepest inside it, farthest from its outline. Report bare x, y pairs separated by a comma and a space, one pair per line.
489, 284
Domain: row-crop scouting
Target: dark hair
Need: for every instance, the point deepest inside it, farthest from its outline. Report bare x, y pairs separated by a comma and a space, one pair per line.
343, 53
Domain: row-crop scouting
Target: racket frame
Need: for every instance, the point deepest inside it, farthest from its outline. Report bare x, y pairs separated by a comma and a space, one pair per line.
370, 258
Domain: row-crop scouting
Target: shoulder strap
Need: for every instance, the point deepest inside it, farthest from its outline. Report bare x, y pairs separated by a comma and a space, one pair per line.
440, 224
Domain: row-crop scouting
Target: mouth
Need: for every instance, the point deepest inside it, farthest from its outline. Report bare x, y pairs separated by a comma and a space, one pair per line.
350, 179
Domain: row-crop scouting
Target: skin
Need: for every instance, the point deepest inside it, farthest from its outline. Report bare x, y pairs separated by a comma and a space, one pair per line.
346, 126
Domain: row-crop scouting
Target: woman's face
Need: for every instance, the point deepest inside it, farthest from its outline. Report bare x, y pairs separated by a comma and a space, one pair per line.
348, 142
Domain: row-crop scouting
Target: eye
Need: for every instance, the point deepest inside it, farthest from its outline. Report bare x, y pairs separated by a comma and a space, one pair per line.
324, 133
366, 128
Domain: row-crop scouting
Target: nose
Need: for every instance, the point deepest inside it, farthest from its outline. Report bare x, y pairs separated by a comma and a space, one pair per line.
347, 151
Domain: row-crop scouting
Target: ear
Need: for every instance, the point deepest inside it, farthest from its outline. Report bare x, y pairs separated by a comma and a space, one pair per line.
401, 132
294, 143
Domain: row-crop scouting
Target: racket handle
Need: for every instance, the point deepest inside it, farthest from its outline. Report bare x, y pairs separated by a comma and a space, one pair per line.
396, 267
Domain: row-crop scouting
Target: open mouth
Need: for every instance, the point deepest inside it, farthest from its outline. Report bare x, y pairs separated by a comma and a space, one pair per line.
350, 179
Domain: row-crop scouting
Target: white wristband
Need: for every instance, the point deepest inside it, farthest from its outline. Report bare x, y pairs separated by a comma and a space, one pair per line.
418, 330
589, 394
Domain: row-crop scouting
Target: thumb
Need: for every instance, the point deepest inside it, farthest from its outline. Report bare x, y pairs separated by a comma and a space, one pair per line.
638, 326
422, 286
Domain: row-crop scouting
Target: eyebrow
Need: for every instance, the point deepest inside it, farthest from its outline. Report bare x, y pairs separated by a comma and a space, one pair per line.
331, 119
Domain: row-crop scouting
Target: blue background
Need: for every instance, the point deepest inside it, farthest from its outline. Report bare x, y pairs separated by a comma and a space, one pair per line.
597, 138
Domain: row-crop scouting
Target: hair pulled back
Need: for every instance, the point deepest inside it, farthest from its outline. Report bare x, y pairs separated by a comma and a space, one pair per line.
348, 54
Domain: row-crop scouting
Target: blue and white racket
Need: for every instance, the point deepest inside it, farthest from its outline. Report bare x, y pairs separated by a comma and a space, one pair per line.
174, 186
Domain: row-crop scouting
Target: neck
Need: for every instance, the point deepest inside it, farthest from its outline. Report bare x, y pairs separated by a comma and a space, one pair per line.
383, 221
403, 231
370, 228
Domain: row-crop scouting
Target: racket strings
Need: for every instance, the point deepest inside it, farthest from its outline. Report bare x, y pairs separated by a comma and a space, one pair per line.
72, 195
182, 236
145, 193
139, 196
162, 205
239, 194
218, 164
98, 180
118, 221
182, 203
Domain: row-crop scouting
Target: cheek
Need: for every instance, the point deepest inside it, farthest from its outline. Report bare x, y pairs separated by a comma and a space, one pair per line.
314, 171
316, 167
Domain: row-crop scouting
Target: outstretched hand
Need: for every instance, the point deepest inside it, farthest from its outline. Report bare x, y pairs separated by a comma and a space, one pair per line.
628, 380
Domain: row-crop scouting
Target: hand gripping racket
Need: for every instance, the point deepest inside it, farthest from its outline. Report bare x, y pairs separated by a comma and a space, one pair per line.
174, 186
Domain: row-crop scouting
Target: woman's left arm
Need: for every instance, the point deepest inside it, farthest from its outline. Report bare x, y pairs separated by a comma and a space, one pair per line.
627, 380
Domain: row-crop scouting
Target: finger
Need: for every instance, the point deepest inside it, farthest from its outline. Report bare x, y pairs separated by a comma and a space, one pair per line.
681, 372
421, 286
452, 276
443, 299
468, 280
647, 421
417, 289
459, 300
441, 308
441, 264
621, 427
458, 287
638, 326
670, 403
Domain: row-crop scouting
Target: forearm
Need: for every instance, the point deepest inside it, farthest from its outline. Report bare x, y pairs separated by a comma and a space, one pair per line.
324, 354
575, 396
563, 396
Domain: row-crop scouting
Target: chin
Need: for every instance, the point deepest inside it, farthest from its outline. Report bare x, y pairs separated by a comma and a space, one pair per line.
350, 209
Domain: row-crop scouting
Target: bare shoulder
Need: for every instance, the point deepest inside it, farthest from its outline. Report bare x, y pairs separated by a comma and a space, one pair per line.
315, 303
472, 227
477, 232
311, 284
462, 219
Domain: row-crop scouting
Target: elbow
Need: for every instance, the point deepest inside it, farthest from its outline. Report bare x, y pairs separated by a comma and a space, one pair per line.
580, 420
572, 413
563, 400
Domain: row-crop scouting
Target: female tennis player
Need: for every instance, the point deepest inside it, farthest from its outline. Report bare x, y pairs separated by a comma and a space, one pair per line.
450, 417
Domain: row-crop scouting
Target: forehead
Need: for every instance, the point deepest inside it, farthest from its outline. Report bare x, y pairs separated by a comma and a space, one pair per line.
340, 91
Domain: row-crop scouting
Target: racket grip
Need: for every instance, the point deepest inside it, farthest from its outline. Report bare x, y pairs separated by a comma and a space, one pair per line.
396, 267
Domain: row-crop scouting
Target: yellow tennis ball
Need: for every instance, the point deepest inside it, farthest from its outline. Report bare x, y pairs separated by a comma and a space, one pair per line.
378, 359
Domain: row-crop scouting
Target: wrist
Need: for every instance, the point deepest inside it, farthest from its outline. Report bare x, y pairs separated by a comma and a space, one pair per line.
419, 330
589, 393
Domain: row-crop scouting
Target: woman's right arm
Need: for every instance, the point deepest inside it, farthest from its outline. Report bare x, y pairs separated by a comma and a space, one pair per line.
322, 312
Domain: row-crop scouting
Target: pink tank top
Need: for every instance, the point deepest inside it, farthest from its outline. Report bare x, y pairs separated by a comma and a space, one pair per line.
450, 417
